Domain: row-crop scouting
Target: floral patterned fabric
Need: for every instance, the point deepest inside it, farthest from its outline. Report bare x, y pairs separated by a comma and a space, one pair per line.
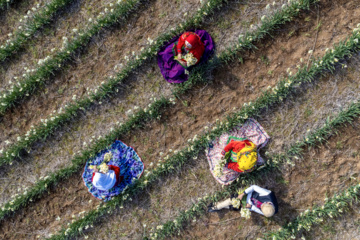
125, 157
251, 130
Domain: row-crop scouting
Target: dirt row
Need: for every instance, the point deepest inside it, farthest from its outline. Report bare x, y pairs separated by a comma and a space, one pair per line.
344, 227
10, 18
49, 40
91, 67
323, 172
310, 107
162, 132
56, 152
106, 53
342, 99
53, 199
71, 197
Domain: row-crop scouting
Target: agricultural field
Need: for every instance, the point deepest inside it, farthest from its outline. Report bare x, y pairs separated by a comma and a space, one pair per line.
77, 75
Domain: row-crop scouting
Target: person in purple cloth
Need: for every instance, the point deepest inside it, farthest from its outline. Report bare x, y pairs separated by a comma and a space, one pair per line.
177, 57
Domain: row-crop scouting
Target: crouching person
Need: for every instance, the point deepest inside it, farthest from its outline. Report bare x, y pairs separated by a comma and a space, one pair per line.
258, 200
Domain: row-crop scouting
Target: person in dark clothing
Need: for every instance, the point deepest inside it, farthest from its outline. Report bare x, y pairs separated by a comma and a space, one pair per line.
258, 199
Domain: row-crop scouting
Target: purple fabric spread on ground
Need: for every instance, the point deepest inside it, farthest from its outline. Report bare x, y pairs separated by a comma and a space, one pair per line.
172, 71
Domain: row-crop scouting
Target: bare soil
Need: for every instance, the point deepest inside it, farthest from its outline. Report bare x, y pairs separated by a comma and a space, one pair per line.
343, 228
323, 172
49, 40
95, 65
200, 108
71, 197
10, 18
310, 106
58, 151
231, 87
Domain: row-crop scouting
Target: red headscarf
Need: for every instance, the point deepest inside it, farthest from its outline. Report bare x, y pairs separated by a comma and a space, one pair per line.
197, 48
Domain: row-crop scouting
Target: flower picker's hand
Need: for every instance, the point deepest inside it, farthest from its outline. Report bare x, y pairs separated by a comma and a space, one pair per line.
179, 56
241, 196
248, 205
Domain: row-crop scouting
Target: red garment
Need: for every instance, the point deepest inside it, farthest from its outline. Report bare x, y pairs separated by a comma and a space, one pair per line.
257, 203
198, 46
236, 146
117, 173
234, 166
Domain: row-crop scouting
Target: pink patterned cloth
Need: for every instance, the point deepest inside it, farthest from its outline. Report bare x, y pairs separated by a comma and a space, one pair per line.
251, 130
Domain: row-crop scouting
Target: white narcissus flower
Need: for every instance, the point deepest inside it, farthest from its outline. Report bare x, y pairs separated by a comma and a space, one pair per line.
150, 40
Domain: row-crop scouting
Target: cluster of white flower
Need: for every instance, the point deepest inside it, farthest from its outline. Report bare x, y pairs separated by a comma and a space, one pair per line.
65, 44
235, 202
190, 59
108, 156
218, 169
109, 8
245, 213
23, 21
13, 198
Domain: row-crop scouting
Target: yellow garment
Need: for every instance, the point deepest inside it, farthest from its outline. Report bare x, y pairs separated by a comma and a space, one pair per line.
247, 157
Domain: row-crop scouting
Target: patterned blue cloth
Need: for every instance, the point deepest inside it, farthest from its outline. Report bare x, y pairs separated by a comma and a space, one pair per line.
131, 167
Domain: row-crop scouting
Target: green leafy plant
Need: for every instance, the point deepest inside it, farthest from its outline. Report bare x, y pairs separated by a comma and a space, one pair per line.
198, 74
49, 65
180, 158
332, 208
53, 122
41, 186
294, 153
26, 32
106, 89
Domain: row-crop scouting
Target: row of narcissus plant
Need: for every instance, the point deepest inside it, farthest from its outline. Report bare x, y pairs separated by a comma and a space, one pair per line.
249, 104
46, 67
50, 124
35, 19
32, 78
22, 201
181, 157
247, 42
332, 208
274, 161
12, 207
105, 89
45, 183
